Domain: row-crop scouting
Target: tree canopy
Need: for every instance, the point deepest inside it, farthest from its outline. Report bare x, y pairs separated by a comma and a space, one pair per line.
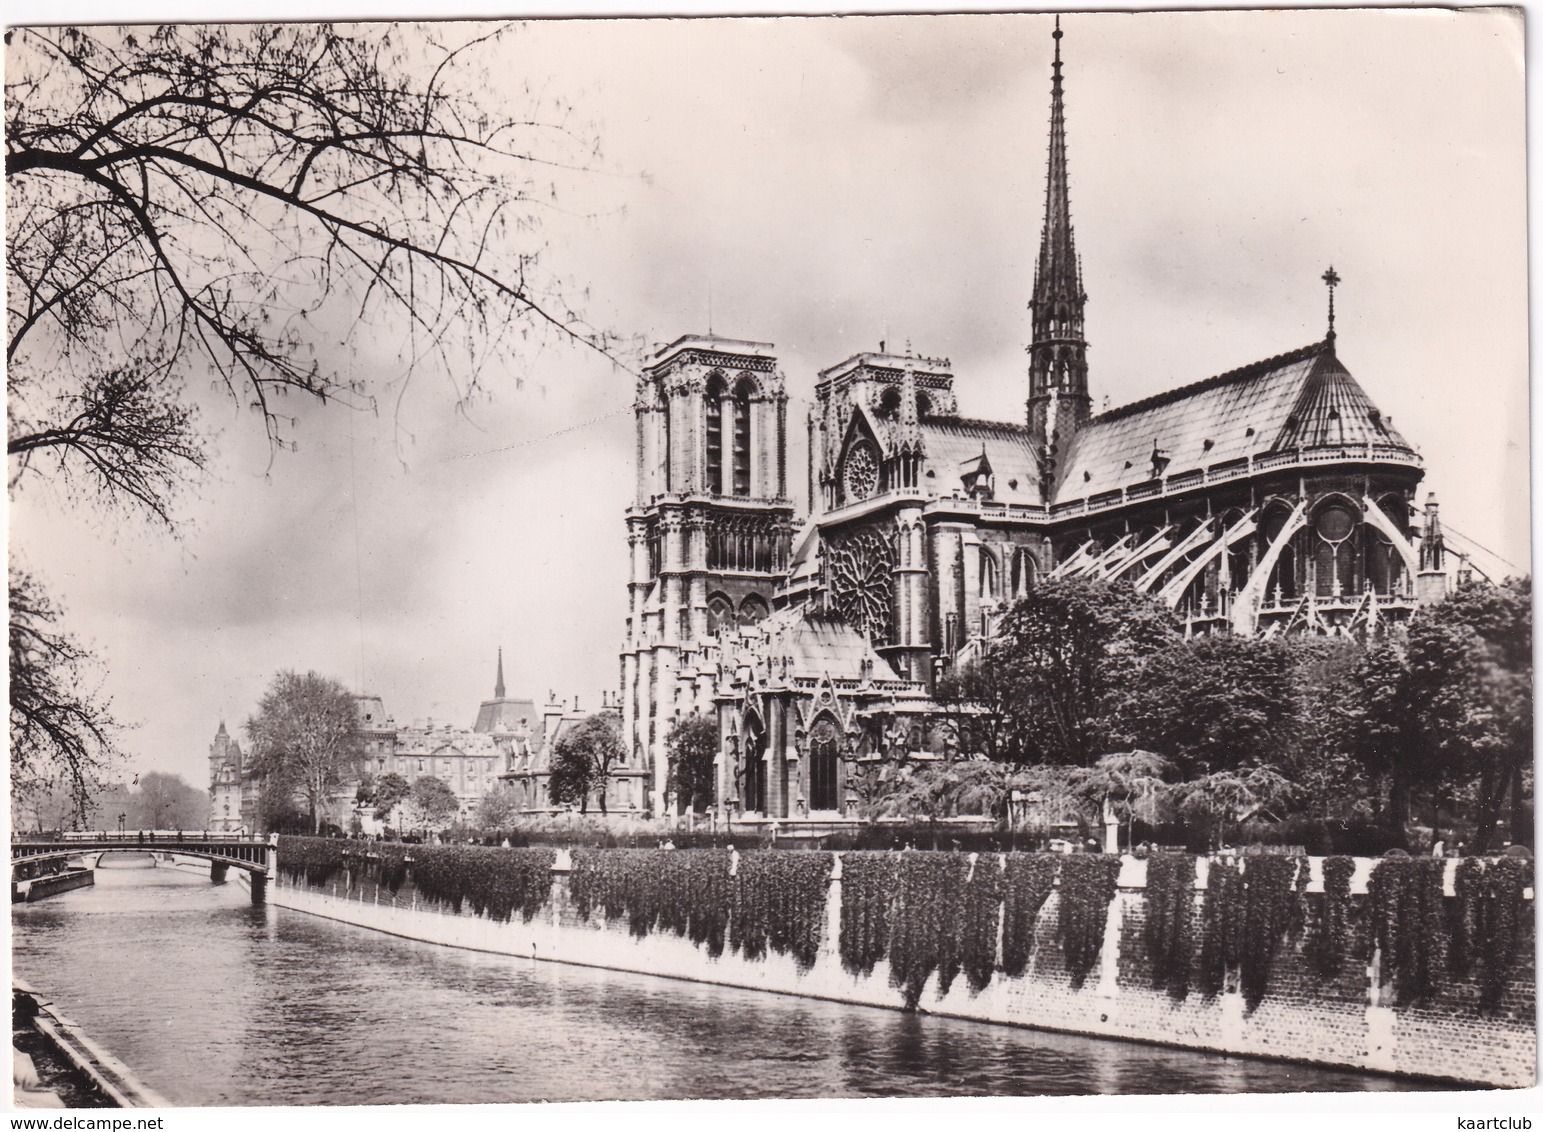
498, 807
305, 740
583, 759
1058, 657
431, 804
251, 201
693, 747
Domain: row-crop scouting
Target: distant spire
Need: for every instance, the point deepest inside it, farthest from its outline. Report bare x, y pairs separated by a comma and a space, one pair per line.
1331, 278
1433, 545
908, 436
498, 685
1058, 367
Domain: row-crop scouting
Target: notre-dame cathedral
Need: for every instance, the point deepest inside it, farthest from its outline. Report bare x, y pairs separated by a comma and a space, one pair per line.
1274, 498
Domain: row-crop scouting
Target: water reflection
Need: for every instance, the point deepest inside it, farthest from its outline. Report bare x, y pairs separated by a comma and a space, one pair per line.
215, 1002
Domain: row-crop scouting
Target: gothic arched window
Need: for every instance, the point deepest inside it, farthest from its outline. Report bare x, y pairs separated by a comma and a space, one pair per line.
1334, 555
990, 576
742, 393
720, 614
824, 762
714, 404
753, 775
752, 611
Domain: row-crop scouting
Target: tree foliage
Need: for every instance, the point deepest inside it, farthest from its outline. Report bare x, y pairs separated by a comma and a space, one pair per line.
167, 802
583, 760
61, 734
432, 804
1060, 655
385, 792
305, 740
1470, 694
1216, 702
498, 807
693, 747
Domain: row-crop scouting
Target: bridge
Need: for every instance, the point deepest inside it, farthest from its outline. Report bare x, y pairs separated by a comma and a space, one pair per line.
256, 856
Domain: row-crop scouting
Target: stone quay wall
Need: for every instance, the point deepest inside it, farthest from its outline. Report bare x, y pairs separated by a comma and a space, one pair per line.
1348, 1021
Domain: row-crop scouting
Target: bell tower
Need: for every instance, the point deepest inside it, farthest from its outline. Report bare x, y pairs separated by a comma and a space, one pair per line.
1059, 403
709, 533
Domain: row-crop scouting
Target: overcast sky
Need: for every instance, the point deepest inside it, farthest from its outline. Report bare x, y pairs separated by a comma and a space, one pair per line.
824, 184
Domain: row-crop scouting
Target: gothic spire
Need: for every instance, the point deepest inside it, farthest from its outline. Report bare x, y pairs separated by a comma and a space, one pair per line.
1058, 368
1059, 276
498, 684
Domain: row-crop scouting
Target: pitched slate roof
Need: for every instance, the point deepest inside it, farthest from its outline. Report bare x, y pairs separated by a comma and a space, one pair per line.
1301, 399
954, 446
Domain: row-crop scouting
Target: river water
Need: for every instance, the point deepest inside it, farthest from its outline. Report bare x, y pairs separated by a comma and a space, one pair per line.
214, 1002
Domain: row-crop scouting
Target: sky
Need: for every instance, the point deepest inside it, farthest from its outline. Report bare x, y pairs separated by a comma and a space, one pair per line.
824, 184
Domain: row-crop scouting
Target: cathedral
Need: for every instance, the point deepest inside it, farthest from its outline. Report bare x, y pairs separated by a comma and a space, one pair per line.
1274, 498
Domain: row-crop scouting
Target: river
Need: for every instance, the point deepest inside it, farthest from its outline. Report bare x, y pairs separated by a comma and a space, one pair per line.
214, 1002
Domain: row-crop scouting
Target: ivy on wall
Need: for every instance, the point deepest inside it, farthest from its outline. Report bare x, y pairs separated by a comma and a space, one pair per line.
313, 860
928, 911
1027, 882
492, 882
1169, 931
1330, 939
981, 922
1271, 908
620, 884
867, 891
1408, 925
779, 902
1221, 937
1489, 924
1087, 887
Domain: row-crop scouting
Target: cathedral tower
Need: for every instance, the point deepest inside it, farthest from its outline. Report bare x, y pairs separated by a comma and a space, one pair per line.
1059, 403
710, 531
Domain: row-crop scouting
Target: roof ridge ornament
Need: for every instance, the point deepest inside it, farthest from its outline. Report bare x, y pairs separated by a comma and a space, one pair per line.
1332, 280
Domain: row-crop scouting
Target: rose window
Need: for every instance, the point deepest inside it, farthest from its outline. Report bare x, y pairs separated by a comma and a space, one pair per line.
861, 567
860, 472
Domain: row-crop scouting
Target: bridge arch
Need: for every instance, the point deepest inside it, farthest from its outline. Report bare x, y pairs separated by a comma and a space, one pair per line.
256, 856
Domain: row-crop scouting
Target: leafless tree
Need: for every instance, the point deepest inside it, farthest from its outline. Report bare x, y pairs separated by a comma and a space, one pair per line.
61, 734
254, 206
305, 738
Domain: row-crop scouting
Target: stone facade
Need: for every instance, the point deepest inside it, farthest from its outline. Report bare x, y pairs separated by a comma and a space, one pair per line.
1274, 498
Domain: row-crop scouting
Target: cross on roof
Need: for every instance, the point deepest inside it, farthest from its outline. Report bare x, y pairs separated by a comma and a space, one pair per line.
1331, 277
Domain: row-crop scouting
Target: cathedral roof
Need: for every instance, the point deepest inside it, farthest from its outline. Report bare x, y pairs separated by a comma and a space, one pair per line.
956, 445
1302, 399
504, 714
800, 641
